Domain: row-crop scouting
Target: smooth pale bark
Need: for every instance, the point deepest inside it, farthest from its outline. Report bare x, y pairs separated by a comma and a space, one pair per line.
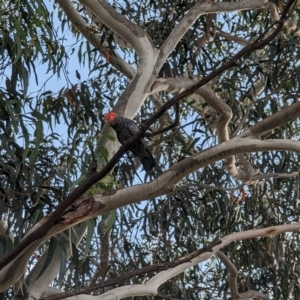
35, 286
3, 230
93, 38
210, 97
248, 174
290, 24
206, 7
119, 24
137, 91
150, 288
233, 273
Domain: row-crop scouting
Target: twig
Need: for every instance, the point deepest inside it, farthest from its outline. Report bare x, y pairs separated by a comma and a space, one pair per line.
175, 124
217, 188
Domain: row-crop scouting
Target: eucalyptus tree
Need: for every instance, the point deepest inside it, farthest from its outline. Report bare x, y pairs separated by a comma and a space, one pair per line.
214, 86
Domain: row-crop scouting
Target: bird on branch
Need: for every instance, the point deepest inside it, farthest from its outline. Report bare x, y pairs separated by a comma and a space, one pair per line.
125, 129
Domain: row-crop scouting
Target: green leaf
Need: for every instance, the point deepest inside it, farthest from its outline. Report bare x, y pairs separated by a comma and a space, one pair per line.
18, 40
110, 137
75, 255
63, 263
78, 75
25, 80
57, 192
3, 246
78, 181
51, 250
38, 140
102, 152
39, 116
110, 221
89, 236
26, 139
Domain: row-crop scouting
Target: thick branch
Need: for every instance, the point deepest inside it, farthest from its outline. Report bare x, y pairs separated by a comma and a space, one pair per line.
127, 30
287, 114
94, 38
202, 8
36, 284
180, 84
233, 273
290, 24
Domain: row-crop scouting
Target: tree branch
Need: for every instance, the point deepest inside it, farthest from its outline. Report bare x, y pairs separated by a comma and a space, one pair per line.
201, 8
126, 29
138, 272
233, 273
150, 288
175, 124
285, 115
37, 283
94, 38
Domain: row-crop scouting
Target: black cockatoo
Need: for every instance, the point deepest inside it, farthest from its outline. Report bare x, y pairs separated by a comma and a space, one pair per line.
125, 129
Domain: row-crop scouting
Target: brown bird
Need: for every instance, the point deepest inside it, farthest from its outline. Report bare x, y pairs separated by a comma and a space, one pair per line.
125, 129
